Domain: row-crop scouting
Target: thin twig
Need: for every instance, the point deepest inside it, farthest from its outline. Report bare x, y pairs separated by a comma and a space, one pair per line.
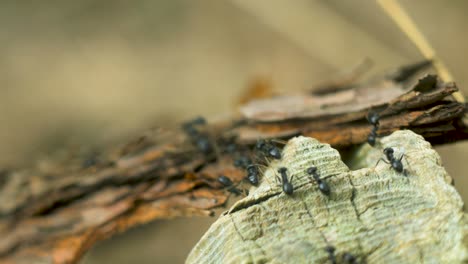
395, 11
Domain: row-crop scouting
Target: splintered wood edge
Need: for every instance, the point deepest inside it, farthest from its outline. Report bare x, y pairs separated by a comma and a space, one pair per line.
374, 213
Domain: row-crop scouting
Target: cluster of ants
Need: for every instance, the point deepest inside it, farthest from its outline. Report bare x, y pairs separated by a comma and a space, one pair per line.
264, 149
268, 149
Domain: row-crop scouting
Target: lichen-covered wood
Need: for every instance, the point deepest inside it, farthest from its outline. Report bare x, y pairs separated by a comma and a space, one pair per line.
374, 213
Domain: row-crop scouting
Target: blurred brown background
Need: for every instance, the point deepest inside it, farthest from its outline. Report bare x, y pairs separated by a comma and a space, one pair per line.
92, 72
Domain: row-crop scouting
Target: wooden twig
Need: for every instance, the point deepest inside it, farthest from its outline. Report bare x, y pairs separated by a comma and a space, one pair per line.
406, 24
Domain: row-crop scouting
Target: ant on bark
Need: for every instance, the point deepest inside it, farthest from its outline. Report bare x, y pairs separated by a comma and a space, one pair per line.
322, 185
229, 185
331, 254
373, 118
268, 148
199, 139
346, 257
287, 186
253, 173
395, 163
349, 258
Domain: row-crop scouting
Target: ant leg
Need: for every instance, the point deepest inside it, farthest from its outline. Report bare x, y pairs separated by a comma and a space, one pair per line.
381, 159
407, 162
245, 192
278, 180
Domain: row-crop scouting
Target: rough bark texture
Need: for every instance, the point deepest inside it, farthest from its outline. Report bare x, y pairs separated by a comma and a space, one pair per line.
58, 207
374, 213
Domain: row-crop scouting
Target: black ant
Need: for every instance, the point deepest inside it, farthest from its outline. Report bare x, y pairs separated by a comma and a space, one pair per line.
226, 182
331, 254
268, 148
373, 119
395, 163
252, 170
199, 139
252, 174
287, 186
349, 258
322, 185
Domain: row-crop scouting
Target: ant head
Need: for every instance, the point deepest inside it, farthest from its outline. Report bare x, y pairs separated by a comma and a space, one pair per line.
282, 170
275, 153
373, 117
252, 169
260, 144
387, 151
311, 170
330, 249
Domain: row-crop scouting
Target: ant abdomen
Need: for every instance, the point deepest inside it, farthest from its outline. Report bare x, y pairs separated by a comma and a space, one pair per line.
252, 174
324, 188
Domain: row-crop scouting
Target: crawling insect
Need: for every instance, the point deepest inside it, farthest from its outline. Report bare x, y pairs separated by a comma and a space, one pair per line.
348, 258
226, 182
199, 139
331, 254
395, 163
322, 185
268, 148
373, 118
287, 186
252, 174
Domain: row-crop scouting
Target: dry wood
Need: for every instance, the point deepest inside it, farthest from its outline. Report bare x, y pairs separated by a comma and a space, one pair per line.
57, 208
373, 213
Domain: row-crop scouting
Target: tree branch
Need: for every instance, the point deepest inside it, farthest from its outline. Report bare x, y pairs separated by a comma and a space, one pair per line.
61, 205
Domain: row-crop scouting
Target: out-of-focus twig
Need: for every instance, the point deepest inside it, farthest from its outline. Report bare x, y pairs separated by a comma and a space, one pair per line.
395, 11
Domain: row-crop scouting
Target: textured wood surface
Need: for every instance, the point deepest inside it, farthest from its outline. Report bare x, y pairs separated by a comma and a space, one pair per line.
58, 206
374, 213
